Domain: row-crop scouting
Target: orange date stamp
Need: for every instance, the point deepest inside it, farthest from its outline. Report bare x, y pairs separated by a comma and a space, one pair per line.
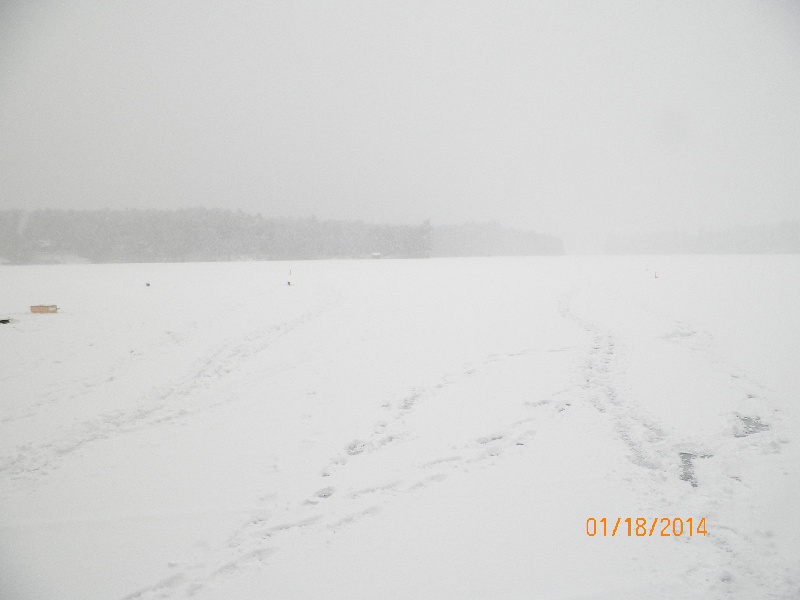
642, 527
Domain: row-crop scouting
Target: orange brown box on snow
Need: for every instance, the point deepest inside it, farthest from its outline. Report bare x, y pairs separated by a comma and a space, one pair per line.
44, 309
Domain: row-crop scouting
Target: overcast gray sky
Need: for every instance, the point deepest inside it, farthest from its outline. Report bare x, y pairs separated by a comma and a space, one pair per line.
580, 119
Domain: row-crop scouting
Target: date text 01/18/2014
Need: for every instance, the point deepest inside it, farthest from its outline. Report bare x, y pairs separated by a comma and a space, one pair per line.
642, 527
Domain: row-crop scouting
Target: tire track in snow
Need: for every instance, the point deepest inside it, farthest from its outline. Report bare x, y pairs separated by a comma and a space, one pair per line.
333, 506
746, 437
646, 441
176, 400
393, 429
651, 447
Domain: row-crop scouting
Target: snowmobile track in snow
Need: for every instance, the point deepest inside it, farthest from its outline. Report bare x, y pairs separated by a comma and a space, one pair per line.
181, 398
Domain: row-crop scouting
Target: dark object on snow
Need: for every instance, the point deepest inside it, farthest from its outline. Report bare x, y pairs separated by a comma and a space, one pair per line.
146, 285
5, 321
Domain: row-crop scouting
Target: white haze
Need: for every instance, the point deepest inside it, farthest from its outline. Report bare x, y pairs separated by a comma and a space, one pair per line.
579, 119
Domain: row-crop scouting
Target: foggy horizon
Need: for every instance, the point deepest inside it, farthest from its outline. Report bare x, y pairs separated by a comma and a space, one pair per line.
581, 121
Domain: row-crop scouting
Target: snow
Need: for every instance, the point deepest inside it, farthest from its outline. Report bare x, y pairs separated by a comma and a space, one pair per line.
435, 428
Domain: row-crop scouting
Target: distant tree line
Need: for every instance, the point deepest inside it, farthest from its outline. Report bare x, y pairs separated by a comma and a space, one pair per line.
782, 238
198, 234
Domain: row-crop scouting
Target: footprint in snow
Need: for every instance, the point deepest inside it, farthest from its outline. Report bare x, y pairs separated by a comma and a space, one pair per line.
438, 478
325, 492
356, 447
490, 438
687, 466
749, 426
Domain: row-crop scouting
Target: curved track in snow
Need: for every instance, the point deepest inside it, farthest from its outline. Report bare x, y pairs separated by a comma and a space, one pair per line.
400, 429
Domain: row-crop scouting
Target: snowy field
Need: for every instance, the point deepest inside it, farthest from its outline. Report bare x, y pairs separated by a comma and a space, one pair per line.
390, 429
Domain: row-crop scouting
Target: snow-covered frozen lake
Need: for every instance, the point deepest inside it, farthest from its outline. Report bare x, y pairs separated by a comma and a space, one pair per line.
391, 429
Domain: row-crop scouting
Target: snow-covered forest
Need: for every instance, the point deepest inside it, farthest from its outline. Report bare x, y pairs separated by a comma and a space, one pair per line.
113, 236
